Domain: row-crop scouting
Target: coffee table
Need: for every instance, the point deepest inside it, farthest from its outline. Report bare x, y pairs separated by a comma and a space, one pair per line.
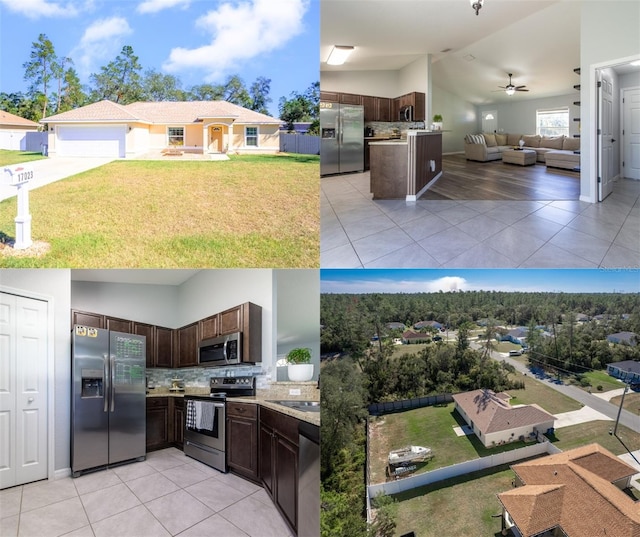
522, 157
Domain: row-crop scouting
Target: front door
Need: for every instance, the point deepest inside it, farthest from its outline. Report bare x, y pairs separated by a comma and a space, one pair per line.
23, 390
605, 135
215, 139
631, 133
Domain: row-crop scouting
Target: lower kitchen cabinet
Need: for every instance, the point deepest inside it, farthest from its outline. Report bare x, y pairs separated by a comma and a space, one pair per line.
242, 439
157, 423
178, 421
279, 462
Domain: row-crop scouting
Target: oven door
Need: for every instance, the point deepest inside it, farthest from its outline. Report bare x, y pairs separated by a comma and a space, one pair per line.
205, 423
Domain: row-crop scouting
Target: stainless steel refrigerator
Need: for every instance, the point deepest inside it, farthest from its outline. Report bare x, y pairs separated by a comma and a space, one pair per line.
341, 138
108, 408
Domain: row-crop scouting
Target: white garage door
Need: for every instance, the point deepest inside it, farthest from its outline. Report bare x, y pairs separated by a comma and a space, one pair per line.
91, 141
13, 139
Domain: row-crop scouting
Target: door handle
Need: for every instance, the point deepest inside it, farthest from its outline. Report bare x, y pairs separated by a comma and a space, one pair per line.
612, 140
113, 382
30, 400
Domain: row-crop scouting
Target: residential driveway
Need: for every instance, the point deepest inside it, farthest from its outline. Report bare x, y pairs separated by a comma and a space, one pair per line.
607, 396
574, 417
50, 170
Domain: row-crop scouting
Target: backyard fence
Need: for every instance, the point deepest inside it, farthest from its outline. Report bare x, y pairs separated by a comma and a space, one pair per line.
299, 143
455, 470
378, 409
35, 141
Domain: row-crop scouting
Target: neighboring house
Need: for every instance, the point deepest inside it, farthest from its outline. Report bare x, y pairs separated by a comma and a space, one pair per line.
626, 338
495, 421
299, 127
107, 129
572, 494
427, 324
628, 370
395, 326
13, 131
409, 336
515, 335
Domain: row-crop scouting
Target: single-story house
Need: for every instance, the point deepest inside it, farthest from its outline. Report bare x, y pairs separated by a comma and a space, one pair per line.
626, 338
395, 326
108, 129
495, 421
571, 494
627, 370
13, 131
427, 324
409, 336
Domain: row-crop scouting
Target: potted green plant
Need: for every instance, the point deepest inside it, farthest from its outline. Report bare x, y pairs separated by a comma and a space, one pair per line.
299, 366
437, 122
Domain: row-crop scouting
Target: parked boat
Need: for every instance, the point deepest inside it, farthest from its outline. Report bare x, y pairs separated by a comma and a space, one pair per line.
409, 454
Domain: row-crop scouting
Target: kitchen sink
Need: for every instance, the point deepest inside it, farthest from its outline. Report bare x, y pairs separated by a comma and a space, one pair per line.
304, 406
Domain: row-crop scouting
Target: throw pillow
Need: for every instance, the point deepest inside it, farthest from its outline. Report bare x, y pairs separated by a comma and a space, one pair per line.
474, 139
513, 139
571, 144
490, 139
552, 142
501, 139
531, 141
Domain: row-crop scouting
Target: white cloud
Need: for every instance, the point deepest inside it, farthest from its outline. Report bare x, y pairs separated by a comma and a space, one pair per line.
153, 6
240, 32
101, 41
35, 9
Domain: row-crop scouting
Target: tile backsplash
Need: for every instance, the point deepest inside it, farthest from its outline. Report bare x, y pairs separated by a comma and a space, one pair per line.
383, 128
198, 377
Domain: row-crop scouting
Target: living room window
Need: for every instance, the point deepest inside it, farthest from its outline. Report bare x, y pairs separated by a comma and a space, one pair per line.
552, 122
251, 136
176, 135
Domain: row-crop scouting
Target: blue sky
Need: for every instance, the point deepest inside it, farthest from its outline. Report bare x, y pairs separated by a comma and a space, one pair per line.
434, 280
200, 41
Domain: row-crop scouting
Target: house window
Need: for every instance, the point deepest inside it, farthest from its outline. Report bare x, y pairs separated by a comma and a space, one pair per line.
176, 135
251, 136
554, 122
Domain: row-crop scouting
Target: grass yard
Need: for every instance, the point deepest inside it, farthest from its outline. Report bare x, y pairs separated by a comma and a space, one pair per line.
596, 431
251, 211
430, 427
9, 158
536, 392
631, 402
601, 378
460, 506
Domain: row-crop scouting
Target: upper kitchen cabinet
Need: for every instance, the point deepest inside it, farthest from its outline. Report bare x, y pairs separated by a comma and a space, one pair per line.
415, 99
163, 347
148, 331
119, 325
376, 108
94, 320
230, 321
329, 96
187, 345
350, 98
209, 327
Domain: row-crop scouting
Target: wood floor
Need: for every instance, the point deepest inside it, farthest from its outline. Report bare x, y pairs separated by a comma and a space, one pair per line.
467, 180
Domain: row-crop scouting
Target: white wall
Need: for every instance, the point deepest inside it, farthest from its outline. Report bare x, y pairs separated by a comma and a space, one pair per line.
459, 116
519, 117
153, 304
376, 83
631, 80
54, 283
417, 77
608, 33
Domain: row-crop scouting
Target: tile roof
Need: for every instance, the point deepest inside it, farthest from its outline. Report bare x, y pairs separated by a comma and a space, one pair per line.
492, 412
168, 112
566, 490
15, 121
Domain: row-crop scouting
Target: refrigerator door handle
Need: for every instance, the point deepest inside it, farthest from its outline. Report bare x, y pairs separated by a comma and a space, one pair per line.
112, 391
107, 384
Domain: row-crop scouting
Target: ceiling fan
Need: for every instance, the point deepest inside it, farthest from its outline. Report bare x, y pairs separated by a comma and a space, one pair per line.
510, 89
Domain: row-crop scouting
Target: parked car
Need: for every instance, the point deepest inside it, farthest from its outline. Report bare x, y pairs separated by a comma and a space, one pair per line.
515, 353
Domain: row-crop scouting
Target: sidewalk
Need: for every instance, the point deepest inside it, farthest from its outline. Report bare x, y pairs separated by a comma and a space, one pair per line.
50, 170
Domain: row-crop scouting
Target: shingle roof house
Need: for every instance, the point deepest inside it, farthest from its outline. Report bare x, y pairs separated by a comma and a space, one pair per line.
495, 421
627, 370
13, 131
626, 338
576, 493
106, 128
425, 324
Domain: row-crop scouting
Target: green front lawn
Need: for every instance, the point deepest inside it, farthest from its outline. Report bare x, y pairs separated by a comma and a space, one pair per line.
601, 378
9, 158
251, 211
535, 391
598, 432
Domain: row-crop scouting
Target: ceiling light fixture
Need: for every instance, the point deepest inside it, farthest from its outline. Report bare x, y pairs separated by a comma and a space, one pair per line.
339, 54
510, 91
476, 4
635, 63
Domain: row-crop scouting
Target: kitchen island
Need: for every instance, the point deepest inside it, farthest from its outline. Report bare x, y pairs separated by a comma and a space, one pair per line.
403, 169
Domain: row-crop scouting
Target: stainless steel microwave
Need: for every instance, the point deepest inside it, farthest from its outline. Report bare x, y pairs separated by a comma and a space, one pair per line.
220, 351
406, 113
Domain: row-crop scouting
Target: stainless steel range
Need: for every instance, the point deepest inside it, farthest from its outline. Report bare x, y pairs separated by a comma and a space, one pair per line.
205, 435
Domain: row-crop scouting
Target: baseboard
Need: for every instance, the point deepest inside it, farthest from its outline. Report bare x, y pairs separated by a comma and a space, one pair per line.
453, 153
61, 474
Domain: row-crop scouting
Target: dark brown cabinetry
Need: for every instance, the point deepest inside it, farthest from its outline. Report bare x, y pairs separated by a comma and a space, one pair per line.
209, 327
163, 347
242, 439
178, 421
157, 423
415, 99
376, 108
188, 345
279, 462
380, 108
118, 325
148, 331
350, 98
83, 318
330, 96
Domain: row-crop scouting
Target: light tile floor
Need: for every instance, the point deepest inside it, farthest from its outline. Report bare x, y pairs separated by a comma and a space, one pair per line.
168, 494
357, 232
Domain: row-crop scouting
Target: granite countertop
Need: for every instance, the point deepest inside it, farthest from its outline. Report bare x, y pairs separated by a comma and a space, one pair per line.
262, 399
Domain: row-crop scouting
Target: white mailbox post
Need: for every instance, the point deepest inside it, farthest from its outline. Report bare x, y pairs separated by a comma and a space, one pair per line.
19, 176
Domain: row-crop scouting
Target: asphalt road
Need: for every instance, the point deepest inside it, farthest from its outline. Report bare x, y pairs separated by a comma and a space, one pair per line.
628, 419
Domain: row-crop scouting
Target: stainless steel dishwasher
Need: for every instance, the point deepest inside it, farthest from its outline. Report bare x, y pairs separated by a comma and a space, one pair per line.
309, 480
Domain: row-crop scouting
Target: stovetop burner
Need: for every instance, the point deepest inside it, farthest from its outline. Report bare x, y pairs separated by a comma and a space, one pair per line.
225, 387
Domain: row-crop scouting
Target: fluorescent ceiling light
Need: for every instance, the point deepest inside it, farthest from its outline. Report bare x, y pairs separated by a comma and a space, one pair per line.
339, 54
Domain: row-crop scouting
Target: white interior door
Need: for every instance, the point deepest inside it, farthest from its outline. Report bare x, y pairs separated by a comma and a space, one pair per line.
490, 121
23, 390
631, 133
605, 135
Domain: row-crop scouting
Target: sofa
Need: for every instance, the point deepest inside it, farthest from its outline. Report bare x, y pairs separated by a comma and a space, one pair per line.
554, 151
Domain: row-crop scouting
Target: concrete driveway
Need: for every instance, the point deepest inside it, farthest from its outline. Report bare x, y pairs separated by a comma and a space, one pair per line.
585, 414
50, 170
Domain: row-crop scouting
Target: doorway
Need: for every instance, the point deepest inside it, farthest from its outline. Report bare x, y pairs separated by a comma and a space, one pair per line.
215, 139
24, 398
631, 133
490, 121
